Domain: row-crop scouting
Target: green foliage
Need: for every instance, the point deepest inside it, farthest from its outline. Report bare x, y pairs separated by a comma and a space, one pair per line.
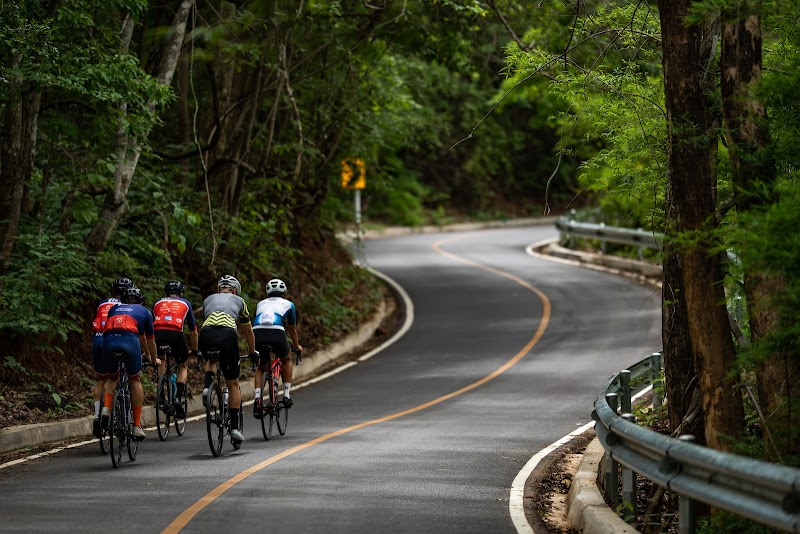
330, 308
45, 290
726, 522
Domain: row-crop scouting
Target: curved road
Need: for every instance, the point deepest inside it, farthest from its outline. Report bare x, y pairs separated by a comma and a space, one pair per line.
504, 357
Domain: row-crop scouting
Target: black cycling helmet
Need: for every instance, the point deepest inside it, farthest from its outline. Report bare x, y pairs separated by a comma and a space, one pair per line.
173, 287
119, 286
133, 295
276, 287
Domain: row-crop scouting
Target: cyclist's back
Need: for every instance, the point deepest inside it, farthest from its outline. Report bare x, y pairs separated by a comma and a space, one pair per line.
276, 318
225, 315
224, 309
172, 314
129, 325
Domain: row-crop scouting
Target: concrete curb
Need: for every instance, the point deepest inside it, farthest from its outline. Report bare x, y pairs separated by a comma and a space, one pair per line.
23, 436
625, 266
587, 511
394, 231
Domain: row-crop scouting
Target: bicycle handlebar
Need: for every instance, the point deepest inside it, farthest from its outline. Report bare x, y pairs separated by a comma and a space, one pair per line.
252, 357
297, 356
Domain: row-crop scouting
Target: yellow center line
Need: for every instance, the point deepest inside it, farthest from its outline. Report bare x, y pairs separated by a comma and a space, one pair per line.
187, 515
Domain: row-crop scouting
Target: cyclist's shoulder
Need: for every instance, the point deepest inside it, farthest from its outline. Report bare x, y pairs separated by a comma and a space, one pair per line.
110, 301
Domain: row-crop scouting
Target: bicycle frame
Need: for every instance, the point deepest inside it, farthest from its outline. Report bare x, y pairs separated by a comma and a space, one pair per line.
275, 412
166, 396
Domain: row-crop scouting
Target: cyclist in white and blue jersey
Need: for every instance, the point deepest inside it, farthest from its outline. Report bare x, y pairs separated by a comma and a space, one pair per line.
275, 318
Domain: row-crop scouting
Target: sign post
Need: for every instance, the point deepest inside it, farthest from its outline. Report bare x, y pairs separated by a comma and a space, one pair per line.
355, 181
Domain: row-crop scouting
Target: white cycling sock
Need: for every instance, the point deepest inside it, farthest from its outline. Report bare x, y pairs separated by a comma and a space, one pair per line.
97, 408
258, 393
286, 388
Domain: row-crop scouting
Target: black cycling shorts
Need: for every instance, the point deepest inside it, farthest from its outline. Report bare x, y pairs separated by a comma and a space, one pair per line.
270, 337
177, 343
226, 341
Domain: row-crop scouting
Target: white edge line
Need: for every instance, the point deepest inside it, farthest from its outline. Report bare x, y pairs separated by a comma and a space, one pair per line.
406, 326
409, 307
516, 503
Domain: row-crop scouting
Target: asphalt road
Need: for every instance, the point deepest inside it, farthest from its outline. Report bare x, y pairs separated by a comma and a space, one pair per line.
505, 356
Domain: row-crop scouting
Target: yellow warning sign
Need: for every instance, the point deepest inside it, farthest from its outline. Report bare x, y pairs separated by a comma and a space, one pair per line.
354, 174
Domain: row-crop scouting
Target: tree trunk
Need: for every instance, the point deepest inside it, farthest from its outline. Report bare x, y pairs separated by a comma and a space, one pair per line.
690, 180
754, 177
680, 376
16, 161
129, 147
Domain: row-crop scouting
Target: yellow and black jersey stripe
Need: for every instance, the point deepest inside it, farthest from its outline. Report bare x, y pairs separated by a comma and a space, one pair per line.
219, 318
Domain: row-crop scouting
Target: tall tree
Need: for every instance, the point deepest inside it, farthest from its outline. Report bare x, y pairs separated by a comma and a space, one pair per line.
129, 143
690, 180
754, 175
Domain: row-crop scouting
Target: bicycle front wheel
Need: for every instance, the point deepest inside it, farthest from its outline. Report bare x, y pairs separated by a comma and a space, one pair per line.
117, 432
180, 422
163, 406
215, 421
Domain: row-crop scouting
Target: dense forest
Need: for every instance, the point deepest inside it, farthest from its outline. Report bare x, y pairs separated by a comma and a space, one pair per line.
190, 139
187, 140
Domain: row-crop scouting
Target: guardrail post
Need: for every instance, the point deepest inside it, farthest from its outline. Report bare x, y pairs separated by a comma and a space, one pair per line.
611, 468
687, 509
629, 484
602, 240
625, 391
655, 378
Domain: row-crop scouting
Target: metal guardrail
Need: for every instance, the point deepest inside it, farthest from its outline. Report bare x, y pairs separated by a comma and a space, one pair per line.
609, 234
763, 492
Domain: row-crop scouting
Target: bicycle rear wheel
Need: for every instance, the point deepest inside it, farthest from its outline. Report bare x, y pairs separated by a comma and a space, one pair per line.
105, 440
180, 422
117, 432
215, 421
266, 418
133, 444
281, 417
163, 406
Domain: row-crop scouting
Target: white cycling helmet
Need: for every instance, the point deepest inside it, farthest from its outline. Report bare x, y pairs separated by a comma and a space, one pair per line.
231, 282
276, 286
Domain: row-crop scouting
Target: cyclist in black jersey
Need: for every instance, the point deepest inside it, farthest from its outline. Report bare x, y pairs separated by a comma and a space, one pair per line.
225, 313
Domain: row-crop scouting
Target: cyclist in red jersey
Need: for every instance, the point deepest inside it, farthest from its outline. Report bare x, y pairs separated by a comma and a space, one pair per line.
172, 313
129, 328
118, 287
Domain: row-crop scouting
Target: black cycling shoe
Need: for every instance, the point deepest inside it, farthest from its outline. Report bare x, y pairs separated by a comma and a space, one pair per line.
96, 427
287, 402
258, 413
177, 406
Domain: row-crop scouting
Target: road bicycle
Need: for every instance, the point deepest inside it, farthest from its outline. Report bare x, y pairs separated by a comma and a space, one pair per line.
165, 397
120, 424
274, 412
218, 417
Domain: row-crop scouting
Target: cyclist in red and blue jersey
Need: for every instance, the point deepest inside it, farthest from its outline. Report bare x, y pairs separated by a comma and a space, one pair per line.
276, 317
118, 287
129, 327
173, 313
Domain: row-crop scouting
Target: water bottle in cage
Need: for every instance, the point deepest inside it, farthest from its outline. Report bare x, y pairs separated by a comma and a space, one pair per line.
173, 379
225, 396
